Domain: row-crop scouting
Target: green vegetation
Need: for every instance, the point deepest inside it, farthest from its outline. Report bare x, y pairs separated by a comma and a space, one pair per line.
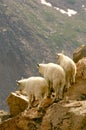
71, 1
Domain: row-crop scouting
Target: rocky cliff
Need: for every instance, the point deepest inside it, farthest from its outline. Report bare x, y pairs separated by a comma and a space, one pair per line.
67, 114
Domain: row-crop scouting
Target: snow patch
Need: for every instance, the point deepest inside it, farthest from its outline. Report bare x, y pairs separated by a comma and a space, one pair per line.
69, 12
83, 6
46, 3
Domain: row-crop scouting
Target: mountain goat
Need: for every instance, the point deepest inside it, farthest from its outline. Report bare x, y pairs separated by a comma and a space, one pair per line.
69, 67
55, 76
35, 87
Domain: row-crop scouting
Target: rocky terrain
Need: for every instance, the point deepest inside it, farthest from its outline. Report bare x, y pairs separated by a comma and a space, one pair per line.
67, 114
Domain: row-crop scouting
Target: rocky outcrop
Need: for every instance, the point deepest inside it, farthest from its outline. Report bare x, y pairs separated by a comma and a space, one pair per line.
67, 114
17, 103
4, 115
81, 68
79, 53
30, 119
59, 116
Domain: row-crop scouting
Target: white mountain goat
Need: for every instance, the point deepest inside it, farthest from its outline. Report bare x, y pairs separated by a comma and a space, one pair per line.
55, 76
69, 67
35, 87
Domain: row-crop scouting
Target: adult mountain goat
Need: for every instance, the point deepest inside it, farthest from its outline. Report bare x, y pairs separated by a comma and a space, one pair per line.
55, 76
69, 67
35, 87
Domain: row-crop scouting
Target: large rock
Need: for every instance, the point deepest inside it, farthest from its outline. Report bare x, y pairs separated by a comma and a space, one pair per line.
65, 116
17, 103
81, 68
79, 53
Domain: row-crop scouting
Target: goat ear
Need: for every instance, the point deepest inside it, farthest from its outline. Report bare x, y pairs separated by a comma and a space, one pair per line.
62, 51
37, 65
43, 61
57, 54
17, 82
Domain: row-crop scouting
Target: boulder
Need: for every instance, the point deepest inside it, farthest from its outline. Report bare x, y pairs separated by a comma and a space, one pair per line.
79, 53
65, 116
81, 68
17, 103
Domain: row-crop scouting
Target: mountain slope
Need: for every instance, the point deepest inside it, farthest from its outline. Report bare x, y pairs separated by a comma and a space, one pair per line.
31, 33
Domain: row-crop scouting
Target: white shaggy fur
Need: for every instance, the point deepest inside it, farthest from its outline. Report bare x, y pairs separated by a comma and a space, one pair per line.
35, 87
69, 67
55, 75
